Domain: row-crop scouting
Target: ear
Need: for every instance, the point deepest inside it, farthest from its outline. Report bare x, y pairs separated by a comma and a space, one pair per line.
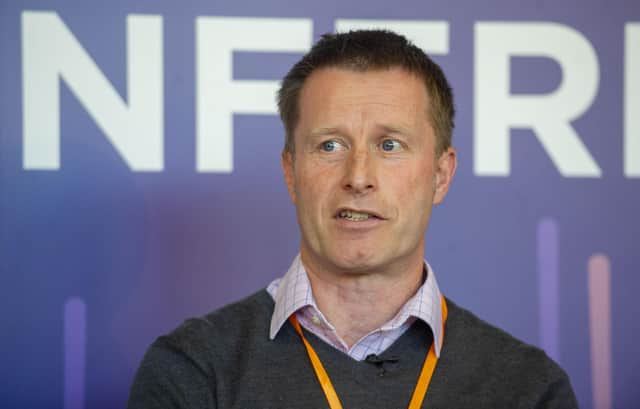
445, 169
289, 177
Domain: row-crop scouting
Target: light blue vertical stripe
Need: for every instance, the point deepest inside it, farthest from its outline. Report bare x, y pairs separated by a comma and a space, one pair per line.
548, 291
75, 339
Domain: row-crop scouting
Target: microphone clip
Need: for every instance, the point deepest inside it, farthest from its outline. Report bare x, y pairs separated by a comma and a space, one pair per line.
379, 362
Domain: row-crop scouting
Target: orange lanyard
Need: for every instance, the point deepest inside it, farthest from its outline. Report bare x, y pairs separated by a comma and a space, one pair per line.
332, 397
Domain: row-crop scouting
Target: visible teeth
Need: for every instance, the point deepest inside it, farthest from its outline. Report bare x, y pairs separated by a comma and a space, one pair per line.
354, 216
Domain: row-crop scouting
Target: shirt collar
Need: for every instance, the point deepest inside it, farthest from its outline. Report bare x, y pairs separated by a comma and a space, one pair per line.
292, 293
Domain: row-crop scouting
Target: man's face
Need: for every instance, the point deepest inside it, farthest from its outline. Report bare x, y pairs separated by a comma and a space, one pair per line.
364, 175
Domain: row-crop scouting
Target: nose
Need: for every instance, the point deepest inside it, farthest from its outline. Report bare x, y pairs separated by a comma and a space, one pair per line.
360, 172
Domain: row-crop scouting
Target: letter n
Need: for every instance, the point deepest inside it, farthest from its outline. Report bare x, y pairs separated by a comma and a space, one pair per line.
51, 53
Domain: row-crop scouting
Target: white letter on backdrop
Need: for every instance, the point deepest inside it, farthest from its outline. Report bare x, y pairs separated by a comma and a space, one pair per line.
549, 115
50, 53
218, 96
431, 36
632, 100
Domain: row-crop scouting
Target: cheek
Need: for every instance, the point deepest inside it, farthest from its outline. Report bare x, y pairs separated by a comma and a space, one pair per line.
420, 189
313, 187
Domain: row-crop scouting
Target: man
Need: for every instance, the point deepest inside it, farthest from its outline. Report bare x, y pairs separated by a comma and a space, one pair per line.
358, 321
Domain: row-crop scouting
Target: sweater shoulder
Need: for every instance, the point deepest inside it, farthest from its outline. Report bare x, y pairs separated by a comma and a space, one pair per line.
486, 335
464, 327
180, 369
483, 366
486, 346
201, 337
253, 311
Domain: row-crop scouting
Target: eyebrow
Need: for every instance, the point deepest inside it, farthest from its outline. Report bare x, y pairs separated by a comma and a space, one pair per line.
396, 129
324, 131
333, 131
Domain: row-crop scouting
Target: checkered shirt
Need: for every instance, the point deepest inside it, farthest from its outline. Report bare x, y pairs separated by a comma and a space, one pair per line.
292, 294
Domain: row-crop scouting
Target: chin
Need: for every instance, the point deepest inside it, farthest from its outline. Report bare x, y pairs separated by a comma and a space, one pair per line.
357, 261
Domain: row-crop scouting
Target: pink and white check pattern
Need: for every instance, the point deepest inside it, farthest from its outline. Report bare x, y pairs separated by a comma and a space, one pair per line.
292, 294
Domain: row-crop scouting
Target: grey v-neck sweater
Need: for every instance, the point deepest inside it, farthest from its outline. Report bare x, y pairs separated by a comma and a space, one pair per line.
226, 360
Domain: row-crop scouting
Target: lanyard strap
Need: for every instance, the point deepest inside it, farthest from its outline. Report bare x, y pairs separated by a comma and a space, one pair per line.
419, 392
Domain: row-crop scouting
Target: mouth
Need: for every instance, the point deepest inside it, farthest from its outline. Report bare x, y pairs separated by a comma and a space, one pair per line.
357, 215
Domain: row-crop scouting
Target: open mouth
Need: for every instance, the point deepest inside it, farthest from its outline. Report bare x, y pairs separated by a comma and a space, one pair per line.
356, 216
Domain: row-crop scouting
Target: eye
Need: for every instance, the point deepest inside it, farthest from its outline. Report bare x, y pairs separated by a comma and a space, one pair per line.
390, 145
330, 146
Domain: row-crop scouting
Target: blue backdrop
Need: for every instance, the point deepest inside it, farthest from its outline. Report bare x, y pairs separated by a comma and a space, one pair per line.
140, 181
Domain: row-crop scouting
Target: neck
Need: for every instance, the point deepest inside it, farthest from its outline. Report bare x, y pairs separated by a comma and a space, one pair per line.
357, 304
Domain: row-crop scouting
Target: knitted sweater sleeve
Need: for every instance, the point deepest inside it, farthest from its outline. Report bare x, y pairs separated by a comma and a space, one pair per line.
559, 395
170, 378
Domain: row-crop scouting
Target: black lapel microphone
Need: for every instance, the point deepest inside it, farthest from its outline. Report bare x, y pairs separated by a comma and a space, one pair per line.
380, 362
377, 360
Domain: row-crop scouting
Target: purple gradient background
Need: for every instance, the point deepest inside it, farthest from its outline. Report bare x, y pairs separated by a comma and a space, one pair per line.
145, 250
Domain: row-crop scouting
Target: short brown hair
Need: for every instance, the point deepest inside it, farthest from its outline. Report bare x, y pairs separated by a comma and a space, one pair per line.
365, 50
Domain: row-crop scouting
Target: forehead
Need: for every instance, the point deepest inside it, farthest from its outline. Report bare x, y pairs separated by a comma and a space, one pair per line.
341, 94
